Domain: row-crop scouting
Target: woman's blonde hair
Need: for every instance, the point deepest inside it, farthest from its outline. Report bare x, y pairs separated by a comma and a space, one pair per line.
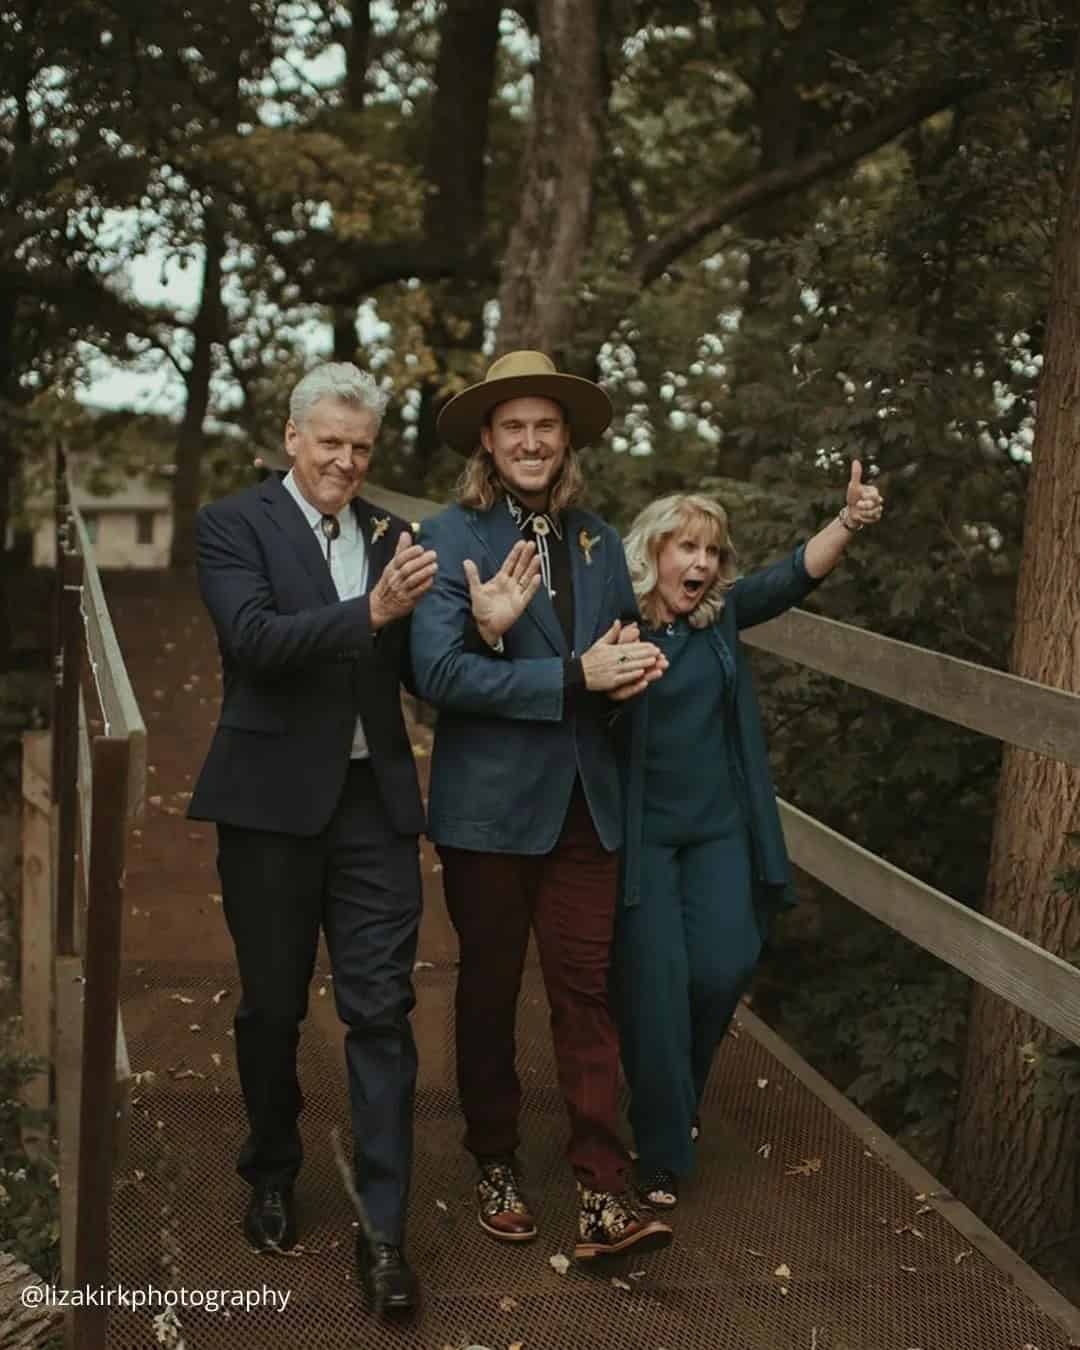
650, 531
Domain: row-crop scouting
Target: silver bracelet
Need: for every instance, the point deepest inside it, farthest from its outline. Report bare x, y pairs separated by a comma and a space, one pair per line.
852, 527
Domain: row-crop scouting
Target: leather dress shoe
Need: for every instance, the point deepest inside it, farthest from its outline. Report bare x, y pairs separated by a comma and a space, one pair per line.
386, 1278
270, 1221
500, 1206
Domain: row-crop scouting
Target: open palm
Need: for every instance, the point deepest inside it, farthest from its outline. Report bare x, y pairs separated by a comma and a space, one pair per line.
499, 603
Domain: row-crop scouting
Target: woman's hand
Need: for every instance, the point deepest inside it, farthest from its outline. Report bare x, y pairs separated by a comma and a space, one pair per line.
611, 665
864, 502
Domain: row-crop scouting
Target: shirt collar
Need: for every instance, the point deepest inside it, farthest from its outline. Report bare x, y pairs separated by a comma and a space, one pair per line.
346, 517
536, 523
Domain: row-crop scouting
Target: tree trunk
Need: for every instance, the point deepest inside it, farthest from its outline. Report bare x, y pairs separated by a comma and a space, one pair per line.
191, 440
540, 277
1014, 1159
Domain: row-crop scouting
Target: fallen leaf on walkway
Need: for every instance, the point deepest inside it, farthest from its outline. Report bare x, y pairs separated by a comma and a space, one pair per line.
507, 1304
637, 1274
221, 993
962, 1256
924, 1209
754, 1251
424, 965
185, 1073
154, 801
441, 1204
216, 1059
910, 1270
559, 1263
901, 1228
181, 998
194, 1026
619, 1284
784, 1272
765, 1150
322, 990
516, 1345
763, 1082
214, 895
139, 1174
806, 1168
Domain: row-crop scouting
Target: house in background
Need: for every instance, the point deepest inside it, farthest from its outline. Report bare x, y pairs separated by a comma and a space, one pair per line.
131, 527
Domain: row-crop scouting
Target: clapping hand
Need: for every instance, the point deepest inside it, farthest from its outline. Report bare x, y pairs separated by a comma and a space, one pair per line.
408, 576
612, 665
630, 632
499, 603
864, 503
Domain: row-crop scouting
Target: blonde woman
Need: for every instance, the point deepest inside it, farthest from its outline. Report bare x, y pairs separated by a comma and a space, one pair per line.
704, 862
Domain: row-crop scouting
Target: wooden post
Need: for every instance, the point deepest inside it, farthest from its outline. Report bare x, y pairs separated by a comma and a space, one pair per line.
68, 1069
66, 745
37, 921
101, 963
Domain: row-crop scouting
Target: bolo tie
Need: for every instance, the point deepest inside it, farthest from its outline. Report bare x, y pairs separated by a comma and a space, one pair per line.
331, 528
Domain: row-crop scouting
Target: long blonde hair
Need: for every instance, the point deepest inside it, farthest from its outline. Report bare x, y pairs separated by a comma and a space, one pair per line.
650, 531
478, 485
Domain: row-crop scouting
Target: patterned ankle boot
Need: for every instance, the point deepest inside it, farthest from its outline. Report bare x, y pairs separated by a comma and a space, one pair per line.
610, 1223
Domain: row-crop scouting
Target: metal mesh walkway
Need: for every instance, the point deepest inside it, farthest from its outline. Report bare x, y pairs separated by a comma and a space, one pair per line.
796, 1235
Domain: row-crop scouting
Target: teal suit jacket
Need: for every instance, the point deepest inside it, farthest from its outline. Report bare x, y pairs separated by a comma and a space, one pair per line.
507, 750
753, 599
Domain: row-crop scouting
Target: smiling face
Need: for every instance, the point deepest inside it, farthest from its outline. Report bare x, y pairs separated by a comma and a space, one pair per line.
330, 452
686, 567
528, 439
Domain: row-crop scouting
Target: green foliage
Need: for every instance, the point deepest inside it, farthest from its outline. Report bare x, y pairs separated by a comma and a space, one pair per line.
29, 1195
892, 1028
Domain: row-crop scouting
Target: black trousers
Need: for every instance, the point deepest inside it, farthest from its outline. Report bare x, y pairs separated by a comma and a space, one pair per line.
359, 882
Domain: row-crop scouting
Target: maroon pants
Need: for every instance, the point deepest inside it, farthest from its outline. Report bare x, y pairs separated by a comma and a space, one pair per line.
568, 898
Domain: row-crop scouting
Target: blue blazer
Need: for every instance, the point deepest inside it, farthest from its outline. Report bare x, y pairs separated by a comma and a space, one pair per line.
753, 599
507, 751
298, 666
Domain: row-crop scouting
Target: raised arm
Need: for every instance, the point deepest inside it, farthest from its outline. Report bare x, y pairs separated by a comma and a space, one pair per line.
765, 594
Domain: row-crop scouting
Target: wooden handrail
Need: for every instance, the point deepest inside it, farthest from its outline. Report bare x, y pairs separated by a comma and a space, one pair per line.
1012, 966
1018, 711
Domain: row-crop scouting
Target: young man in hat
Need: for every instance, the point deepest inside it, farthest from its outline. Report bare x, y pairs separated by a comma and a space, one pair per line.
523, 643
311, 781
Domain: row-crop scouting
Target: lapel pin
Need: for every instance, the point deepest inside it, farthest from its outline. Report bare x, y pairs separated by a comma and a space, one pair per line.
587, 544
379, 526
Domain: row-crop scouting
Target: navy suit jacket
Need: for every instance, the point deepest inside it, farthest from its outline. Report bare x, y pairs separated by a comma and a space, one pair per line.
507, 752
298, 666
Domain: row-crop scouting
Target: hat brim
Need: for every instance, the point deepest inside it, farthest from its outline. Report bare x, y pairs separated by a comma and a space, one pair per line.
588, 408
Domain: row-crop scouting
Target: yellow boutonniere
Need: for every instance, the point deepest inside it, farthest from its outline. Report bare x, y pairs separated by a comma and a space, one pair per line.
379, 526
587, 544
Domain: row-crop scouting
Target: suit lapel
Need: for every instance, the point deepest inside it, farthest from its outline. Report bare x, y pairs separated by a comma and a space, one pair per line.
379, 539
588, 567
498, 534
288, 517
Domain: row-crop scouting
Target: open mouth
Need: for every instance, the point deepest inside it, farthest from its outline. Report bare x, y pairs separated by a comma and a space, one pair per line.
693, 588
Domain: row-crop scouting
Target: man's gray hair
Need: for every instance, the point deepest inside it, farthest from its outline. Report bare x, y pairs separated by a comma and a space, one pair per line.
339, 380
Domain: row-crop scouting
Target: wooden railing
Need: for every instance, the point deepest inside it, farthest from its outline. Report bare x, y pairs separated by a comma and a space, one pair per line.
83, 789
1017, 711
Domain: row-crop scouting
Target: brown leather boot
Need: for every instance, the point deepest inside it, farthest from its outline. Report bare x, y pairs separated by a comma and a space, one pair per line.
610, 1223
501, 1208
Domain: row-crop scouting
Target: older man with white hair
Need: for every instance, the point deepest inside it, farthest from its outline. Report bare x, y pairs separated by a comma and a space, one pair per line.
311, 781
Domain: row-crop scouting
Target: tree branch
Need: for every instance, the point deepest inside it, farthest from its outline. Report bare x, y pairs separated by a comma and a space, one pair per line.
765, 188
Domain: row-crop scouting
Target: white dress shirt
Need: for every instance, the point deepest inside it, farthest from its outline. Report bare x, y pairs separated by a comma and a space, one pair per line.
348, 567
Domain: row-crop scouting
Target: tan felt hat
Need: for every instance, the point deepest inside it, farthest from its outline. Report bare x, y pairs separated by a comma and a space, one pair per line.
525, 375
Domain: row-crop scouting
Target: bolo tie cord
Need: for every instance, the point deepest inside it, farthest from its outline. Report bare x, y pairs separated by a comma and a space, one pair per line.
331, 528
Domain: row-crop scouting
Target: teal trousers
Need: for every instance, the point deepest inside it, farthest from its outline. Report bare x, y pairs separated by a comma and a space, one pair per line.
683, 958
